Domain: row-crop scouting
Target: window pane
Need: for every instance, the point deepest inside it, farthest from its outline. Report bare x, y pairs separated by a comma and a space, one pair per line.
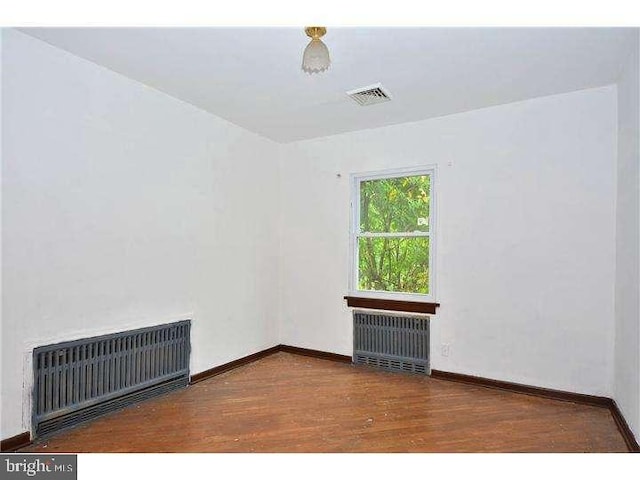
394, 264
395, 204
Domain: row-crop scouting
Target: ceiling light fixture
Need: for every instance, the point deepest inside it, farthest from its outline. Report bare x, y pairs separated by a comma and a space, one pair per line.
316, 56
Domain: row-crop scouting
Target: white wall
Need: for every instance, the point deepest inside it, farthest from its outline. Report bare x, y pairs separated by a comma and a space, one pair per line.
1, 344
125, 207
525, 240
627, 331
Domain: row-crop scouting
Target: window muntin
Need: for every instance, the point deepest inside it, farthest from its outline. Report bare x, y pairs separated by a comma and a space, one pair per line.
392, 235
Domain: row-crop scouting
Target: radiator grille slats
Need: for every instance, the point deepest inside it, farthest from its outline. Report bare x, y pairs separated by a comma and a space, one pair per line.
73, 379
65, 421
391, 342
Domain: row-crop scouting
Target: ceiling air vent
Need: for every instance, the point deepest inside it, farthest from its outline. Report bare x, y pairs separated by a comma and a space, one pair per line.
370, 95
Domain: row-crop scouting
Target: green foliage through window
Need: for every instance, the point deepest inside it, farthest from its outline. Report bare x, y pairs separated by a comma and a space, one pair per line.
393, 239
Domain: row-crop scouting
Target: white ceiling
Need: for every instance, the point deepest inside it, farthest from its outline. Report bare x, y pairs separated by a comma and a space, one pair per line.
252, 76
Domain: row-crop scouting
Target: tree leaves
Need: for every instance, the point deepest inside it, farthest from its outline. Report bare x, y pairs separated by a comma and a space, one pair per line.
394, 264
394, 205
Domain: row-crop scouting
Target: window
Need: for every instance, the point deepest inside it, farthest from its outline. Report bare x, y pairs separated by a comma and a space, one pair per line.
392, 237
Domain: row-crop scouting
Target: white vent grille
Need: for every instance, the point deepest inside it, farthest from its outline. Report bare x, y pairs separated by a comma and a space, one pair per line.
370, 95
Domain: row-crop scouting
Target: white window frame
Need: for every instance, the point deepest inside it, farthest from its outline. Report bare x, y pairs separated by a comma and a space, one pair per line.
355, 234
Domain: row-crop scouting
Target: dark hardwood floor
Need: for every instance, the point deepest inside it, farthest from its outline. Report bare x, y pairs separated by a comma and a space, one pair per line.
291, 403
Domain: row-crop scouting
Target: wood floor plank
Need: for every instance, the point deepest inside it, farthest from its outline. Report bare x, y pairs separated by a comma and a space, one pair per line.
291, 403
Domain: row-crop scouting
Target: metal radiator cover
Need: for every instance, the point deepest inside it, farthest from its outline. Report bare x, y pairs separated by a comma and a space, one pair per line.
82, 379
397, 343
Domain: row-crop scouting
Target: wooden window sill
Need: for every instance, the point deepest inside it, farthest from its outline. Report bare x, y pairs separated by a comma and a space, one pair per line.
393, 305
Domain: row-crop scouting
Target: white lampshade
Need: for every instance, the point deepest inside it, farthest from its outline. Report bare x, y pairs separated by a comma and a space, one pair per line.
316, 56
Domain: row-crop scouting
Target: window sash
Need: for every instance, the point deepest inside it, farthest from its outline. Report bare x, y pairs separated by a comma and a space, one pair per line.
357, 233
392, 234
